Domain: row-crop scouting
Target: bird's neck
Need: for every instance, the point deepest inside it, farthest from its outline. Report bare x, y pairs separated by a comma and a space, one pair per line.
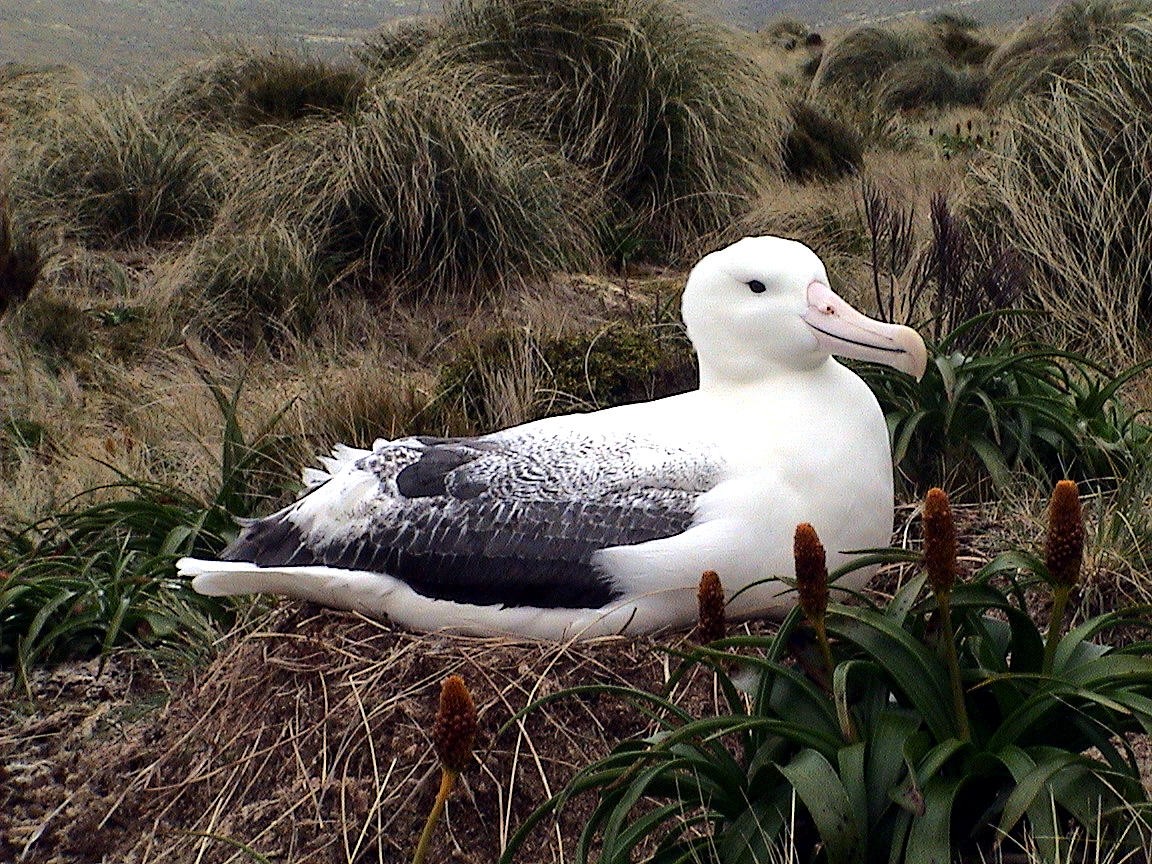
734, 376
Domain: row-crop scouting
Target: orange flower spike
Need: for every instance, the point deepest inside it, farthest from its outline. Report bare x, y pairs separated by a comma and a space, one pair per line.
710, 625
1064, 547
454, 733
811, 572
812, 588
939, 542
453, 736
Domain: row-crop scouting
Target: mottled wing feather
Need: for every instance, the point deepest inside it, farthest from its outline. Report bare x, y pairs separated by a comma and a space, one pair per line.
499, 519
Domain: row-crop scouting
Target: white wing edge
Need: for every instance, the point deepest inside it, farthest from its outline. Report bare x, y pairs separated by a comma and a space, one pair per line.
380, 596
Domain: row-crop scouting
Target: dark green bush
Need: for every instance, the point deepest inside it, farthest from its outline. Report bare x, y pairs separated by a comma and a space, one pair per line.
1012, 407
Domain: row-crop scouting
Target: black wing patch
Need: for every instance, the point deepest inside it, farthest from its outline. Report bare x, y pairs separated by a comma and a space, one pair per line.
471, 521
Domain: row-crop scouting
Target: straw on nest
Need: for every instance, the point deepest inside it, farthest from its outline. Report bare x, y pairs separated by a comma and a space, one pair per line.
310, 741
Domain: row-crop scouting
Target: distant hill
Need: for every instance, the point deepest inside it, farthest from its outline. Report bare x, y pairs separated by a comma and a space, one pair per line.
117, 39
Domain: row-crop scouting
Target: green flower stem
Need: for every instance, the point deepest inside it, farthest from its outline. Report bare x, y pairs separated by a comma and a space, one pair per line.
447, 781
825, 648
944, 600
1060, 595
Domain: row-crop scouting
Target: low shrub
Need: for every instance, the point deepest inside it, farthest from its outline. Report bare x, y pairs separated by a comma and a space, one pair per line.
1010, 408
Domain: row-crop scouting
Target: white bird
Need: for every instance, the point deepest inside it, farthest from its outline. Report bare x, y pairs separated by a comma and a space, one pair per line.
602, 522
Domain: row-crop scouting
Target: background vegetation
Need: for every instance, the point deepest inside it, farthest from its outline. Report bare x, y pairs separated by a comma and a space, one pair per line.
485, 217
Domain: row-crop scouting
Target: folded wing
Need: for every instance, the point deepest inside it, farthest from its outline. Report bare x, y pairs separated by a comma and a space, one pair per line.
510, 519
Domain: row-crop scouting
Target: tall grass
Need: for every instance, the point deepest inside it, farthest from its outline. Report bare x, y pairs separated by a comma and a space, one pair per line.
1068, 187
661, 108
928, 82
113, 170
244, 86
416, 191
1046, 47
853, 64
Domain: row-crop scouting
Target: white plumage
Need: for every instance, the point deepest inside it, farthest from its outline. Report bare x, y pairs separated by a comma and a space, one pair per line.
596, 523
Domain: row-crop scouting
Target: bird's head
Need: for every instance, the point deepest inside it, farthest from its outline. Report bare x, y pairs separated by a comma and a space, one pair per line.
763, 306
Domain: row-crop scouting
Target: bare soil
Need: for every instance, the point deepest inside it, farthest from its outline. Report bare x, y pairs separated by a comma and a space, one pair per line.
308, 741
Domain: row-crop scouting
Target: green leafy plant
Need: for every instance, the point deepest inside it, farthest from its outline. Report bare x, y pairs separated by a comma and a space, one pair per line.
987, 413
899, 744
94, 576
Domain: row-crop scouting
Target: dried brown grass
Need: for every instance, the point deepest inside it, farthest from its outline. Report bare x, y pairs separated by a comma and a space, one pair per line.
309, 740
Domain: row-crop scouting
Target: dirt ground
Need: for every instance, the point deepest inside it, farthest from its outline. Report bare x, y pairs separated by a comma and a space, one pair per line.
307, 741
310, 741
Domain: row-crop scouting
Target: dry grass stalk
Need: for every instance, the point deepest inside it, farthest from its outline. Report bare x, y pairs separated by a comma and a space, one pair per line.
311, 740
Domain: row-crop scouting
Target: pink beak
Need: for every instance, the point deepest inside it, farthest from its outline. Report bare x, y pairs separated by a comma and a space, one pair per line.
843, 331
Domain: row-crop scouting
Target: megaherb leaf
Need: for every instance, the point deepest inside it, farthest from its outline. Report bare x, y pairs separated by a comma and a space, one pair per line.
872, 764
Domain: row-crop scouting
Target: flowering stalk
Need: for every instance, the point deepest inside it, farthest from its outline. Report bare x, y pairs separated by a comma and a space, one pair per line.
1063, 557
453, 737
812, 585
710, 624
940, 563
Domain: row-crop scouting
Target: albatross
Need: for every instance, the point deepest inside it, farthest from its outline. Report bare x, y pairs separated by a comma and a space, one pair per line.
602, 522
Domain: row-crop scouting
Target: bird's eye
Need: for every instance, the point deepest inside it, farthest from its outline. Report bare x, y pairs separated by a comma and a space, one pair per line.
757, 286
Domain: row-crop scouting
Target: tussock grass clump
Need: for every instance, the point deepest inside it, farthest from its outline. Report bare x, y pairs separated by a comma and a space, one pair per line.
255, 284
662, 108
416, 193
28, 92
397, 44
854, 63
20, 261
928, 81
554, 375
246, 87
55, 327
1047, 46
115, 171
955, 34
819, 146
1068, 186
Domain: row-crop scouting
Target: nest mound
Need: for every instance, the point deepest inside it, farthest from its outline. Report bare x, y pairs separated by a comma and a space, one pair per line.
311, 741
